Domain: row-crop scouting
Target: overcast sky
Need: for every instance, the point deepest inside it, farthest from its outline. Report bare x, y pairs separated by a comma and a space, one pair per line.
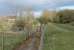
8, 7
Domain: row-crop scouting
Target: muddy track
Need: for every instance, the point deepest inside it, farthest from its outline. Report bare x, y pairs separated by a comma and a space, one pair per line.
31, 43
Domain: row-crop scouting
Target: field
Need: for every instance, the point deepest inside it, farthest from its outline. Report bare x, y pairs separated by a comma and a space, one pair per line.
0, 41
59, 37
8, 41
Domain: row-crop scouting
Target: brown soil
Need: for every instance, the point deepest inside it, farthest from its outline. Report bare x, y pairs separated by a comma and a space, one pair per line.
31, 43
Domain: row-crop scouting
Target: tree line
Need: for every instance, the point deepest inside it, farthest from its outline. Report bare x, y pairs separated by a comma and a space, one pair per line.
63, 16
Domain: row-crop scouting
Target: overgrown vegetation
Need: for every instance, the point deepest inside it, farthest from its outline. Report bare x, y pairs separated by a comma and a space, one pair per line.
9, 41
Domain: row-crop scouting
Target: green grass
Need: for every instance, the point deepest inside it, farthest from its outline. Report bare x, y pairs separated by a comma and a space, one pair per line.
11, 40
0, 41
66, 26
59, 37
